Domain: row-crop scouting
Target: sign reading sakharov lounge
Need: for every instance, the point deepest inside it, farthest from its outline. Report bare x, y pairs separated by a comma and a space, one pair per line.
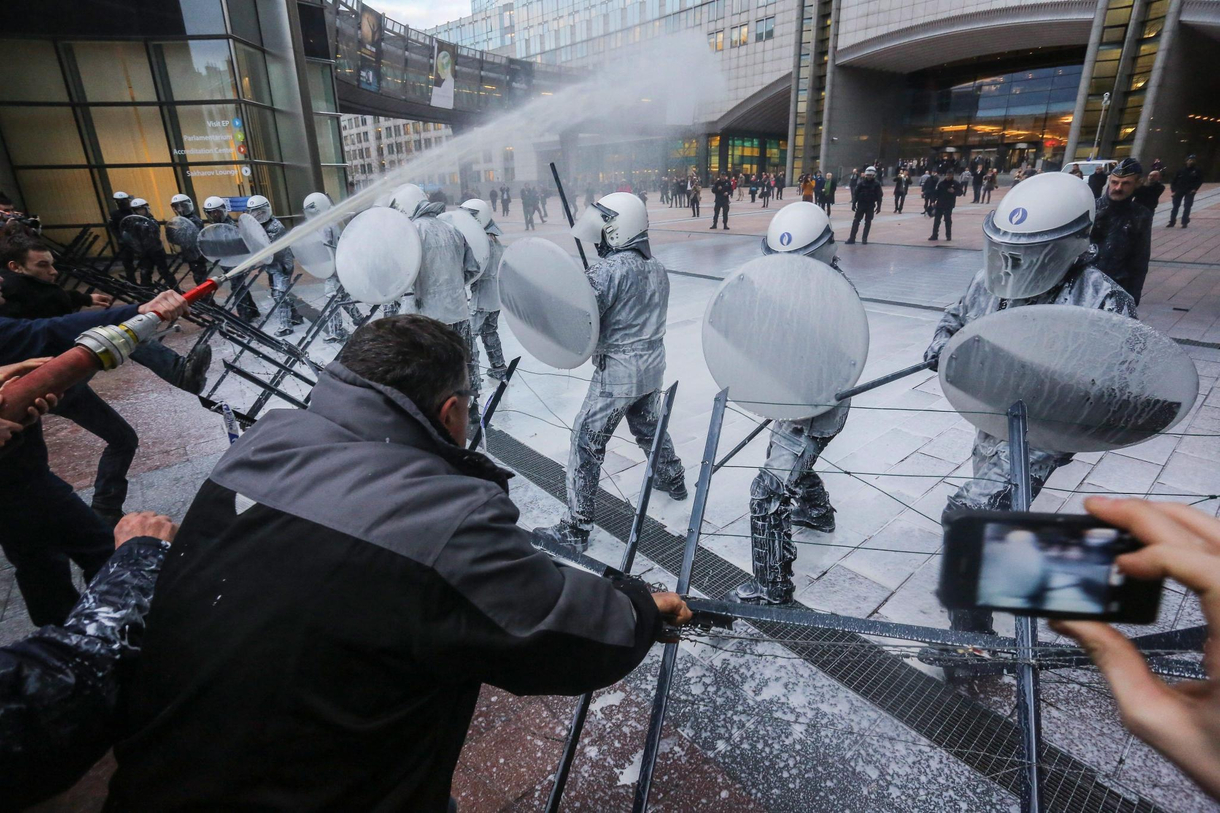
444, 58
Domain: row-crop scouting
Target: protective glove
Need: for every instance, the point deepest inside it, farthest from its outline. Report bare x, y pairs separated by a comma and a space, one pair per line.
932, 355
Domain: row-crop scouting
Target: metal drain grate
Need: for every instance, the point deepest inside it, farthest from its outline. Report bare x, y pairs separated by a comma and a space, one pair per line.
980, 738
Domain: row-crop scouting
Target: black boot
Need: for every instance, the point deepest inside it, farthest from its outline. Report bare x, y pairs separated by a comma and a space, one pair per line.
823, 521
676, 489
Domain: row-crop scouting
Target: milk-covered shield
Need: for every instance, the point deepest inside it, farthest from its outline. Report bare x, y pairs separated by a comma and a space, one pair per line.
548, 303
252, 232
182, 233
784, 333
378, 255
479, 243
314, 252
1091, 380
223, 243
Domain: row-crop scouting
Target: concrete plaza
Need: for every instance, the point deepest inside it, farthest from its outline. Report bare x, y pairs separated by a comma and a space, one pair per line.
757, 724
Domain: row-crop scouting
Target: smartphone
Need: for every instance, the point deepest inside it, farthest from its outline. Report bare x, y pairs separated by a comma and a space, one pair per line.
1045, 565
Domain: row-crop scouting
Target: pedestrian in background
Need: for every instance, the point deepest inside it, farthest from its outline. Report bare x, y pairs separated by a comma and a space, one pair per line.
976, 181
1149, 194
1097, 181
990, 182
853, 181
753, 189
722, 191
1186, 182
947, 193
928, 189
780, 180
902, 183
765, 192
693, 197
866, 202
807, 188
829, 186
1075, 170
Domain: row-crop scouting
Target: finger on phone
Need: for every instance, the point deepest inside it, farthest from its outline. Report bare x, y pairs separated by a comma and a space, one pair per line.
1141, 518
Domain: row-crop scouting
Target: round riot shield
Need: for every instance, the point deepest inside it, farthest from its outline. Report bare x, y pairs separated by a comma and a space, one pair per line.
223, 243
548, 302
465, 223
314, 253
182, 233
253, 233
140, 233
785, 333
378, 255
1091, 380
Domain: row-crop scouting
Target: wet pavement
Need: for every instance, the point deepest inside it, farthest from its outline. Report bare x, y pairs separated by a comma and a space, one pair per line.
753, 726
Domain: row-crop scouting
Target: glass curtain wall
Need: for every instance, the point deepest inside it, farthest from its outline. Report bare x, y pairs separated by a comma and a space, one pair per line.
966, 113
151, 117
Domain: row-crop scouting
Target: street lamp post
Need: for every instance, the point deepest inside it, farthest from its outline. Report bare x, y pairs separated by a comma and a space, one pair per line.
1105, 105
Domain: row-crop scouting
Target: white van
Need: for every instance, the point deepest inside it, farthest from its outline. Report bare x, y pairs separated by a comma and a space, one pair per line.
1087, 167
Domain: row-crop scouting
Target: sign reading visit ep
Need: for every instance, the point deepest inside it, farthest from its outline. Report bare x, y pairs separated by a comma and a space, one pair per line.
444, 57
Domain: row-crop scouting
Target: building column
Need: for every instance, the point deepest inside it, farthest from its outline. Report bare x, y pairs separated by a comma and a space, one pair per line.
831, 55
1082, 93
1169, 34
796, 84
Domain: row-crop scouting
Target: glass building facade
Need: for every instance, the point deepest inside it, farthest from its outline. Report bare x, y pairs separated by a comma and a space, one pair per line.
993, 111
201, 97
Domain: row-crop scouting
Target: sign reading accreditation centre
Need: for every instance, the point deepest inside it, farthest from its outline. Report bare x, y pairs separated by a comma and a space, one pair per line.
444, 56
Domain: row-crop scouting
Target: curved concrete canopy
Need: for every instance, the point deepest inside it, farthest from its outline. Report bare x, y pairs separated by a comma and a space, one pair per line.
764, 111
965, 36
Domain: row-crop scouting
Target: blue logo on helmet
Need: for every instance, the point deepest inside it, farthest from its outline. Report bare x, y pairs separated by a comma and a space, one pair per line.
1017, 216
785, 239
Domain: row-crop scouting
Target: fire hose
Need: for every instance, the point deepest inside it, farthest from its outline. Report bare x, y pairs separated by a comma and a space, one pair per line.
99, 348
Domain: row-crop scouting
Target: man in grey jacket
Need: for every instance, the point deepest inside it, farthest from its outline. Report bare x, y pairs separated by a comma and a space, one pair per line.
345, 580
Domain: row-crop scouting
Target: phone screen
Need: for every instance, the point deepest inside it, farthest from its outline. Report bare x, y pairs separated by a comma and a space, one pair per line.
1037, 568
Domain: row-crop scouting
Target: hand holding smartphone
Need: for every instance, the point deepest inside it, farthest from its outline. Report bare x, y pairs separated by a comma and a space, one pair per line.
1044, 565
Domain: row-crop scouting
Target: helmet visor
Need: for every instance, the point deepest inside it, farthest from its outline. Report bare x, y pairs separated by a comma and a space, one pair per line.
1025, 269
590, 224
261, 213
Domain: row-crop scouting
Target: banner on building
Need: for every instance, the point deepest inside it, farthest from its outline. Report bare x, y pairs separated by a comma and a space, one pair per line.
370, 49
444, 58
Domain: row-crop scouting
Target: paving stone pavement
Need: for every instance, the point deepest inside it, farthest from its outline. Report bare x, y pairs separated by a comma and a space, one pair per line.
751, 728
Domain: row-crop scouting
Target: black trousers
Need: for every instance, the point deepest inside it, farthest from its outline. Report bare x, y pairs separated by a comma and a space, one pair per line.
947, 215
46, 527
90, 412
721, 207
900, 201
161, 262
1178, 199
865, 214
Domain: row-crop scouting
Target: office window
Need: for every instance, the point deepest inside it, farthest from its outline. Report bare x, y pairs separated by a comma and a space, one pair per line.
764, 29
60, 195
114, 71
716, 40
199, 69
40, 77
41, 135
252, 70
130, 135
739, 35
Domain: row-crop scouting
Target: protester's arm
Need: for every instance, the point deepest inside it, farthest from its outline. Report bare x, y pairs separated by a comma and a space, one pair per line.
1181, 721
79, 299
58, 687
509, 616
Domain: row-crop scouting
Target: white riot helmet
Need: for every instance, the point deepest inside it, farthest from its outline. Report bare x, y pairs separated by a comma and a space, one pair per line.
259, 207
316, 203
407, 198
182, 204
480, 210
216, 209
801, 228
619, 216
1035, 234
120, 197
139, 203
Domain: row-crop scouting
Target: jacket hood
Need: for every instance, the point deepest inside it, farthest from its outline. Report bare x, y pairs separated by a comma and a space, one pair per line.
377, 412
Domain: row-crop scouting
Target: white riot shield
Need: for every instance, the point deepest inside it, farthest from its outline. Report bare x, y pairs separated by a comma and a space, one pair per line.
379, 255
223, 243
548, 303
314, 253
253, 233
480, 244
182, 233
784, 334
1091, 380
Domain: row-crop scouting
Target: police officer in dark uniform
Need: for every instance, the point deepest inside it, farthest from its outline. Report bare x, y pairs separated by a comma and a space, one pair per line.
1186, 183
947, 193
723, 191
1122, 230
865, 202
125, 254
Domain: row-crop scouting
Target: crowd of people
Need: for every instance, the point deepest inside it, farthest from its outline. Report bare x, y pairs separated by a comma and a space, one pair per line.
194, 667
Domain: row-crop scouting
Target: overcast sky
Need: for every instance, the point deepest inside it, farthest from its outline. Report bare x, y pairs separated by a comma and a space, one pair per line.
422, 13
